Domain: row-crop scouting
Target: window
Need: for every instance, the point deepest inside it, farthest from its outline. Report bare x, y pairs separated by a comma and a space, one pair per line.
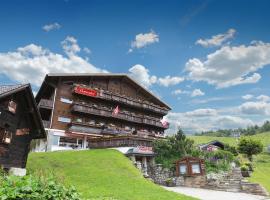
5, 136
12, 106
65, 100
195, 168
182, 169
64, 119
79, 120
56, 139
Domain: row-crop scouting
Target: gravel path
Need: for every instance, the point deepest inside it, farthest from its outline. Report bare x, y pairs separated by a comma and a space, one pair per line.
205, 194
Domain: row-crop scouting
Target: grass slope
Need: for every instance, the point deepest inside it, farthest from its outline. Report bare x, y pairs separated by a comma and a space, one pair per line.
262, 161
99, 174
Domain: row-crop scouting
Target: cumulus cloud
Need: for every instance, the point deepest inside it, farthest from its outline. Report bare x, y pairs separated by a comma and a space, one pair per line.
142, 75
231, 66
217, 40
35, 61
179, 91
255, 108
195, 121
87, 50
144, 39
50, 27
197, 92
263, 98
168, 80
247, 97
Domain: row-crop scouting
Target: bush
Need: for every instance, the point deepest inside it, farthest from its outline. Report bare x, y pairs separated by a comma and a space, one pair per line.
244, 168
32, 188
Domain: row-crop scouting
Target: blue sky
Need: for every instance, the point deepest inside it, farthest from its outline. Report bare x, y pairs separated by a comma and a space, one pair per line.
209, 60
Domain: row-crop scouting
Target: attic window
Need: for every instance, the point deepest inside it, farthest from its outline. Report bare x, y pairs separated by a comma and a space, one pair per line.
5, 136
12, 106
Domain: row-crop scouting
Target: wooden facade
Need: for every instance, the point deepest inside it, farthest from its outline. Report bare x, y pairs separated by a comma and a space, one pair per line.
81, 106
190, 166
20, 122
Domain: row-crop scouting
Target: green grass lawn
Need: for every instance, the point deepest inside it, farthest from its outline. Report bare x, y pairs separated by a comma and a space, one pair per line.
262, 161
262, 170
99, 174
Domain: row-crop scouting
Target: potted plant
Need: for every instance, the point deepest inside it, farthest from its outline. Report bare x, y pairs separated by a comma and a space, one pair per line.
245, 171
169, 182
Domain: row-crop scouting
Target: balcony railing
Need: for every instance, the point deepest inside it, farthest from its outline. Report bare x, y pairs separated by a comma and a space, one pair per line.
46, 124
97, 129
78, 107
131, 102
46, 103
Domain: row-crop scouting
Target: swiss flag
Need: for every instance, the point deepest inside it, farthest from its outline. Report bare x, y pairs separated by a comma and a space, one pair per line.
164, 123
116, 110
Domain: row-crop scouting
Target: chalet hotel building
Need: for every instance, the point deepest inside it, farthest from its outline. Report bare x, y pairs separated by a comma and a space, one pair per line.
98, 111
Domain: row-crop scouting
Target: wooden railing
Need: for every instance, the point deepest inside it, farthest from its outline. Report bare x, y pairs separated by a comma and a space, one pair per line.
131, 102
88, 109
46, 103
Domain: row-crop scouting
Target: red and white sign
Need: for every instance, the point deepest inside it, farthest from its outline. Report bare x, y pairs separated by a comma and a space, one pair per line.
145, 149
85, 91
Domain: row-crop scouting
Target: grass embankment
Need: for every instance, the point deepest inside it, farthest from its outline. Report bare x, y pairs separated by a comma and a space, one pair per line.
99, 174
261, 162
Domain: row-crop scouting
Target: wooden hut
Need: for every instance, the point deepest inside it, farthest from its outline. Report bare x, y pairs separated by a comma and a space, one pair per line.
190, 166
20, 122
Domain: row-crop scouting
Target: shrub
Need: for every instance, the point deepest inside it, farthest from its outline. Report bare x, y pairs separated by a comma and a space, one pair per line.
244, 168
32, 188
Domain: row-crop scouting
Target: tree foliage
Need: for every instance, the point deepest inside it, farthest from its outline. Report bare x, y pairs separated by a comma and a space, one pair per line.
250, 147
172, 148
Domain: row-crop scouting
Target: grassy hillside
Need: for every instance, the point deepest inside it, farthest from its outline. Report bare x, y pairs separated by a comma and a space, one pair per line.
99, 174
261, 162
263, 137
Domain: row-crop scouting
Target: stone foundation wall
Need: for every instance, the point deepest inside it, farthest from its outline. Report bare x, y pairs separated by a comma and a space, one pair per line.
253, 188
159, 174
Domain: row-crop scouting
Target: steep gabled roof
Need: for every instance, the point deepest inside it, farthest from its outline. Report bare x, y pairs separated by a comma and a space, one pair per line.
7, 90
103, 75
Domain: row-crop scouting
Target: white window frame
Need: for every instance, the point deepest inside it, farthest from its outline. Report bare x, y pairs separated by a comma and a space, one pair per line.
64, 119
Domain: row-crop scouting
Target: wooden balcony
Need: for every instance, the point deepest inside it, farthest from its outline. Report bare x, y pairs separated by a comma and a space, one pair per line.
46, 124
45, 103
131, 102
120, 141
98, 111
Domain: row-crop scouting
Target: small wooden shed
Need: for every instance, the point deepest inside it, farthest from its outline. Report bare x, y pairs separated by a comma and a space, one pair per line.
190, 166
20, 122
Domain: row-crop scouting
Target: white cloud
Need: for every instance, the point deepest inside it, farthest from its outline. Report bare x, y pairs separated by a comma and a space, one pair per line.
247, 97
50, 27
255, 108
179, 91
35, 61
263, 98
169, 81
87, 50
197, 92
142, 75
217, 40
195, 121
231, 66
202, 112
144, 39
